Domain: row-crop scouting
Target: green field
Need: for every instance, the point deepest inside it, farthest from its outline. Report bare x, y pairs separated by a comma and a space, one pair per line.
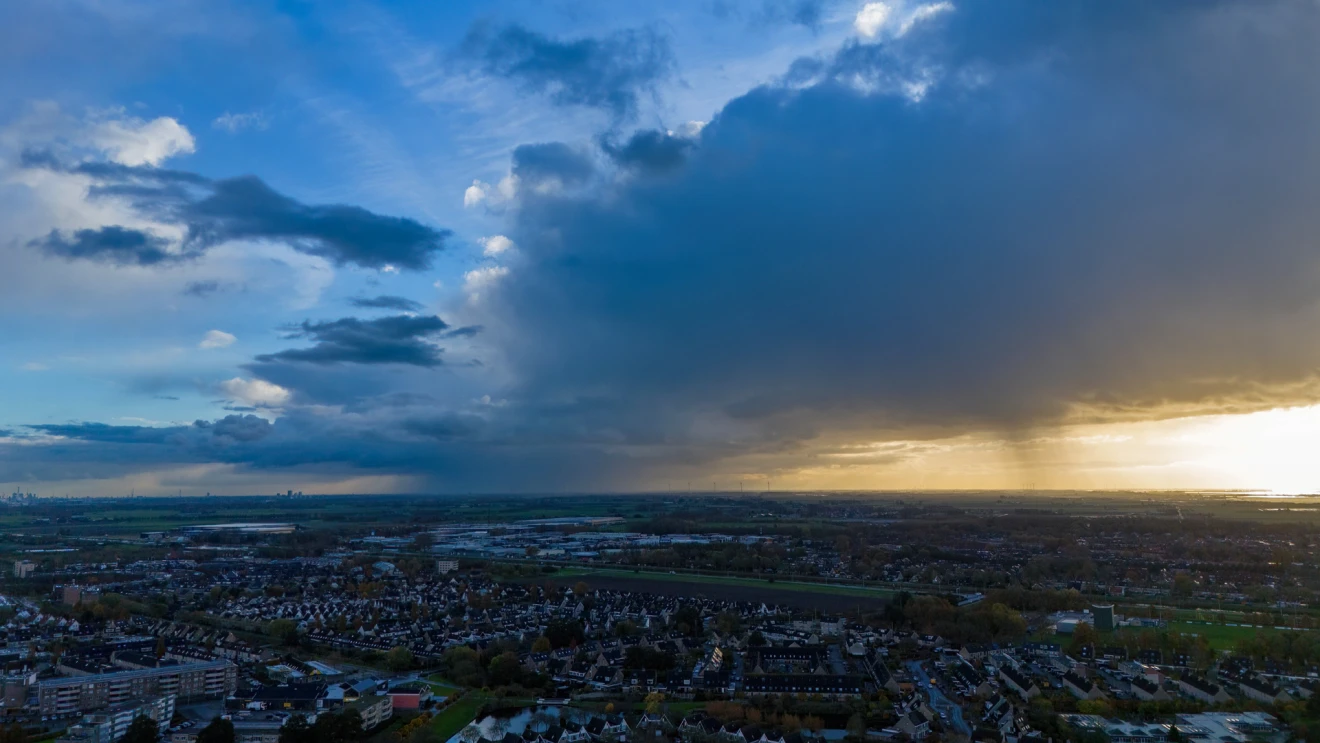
1220, 636
439, 685
834, 589
456, 716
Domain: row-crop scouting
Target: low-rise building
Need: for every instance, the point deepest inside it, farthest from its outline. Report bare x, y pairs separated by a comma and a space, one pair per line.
184, 681
109, 725
1148, 690
1231, 727
374, 708
1019, 682
1262, 690
1080, 687
1207, 691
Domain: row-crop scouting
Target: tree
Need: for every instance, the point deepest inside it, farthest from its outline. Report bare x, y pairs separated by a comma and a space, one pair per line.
504, 669
13, 733
688, 620
284, 630
1084, 635
422, 542
580, 588
653, 701
1175, 735
1183, 584
345, 727
218, 731
399, 658
542, 645
564, 632
142, 730
1313, 706
856, 726
728, 623
296, 730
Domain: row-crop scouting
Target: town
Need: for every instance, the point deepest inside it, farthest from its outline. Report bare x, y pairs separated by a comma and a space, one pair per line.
752, 619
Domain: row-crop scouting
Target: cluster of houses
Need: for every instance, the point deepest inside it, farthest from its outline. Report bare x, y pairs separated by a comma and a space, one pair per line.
1035, 667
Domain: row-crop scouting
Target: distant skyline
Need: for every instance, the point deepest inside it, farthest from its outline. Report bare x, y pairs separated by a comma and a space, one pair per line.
588, 246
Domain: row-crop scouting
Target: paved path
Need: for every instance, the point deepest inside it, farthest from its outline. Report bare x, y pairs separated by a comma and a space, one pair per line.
938, 701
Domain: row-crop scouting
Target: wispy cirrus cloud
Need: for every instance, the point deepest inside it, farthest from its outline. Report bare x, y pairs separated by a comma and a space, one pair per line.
238, 122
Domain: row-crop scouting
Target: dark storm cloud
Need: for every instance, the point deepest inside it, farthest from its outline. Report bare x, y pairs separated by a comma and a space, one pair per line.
118, 245
246, 208
215, 211
535, 164
1115, 208
238, 427
387, 302
452, 451
650, 151
610, 73
441, 428
103, 433
399, 339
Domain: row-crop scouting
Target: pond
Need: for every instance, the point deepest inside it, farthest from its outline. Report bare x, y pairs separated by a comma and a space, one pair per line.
513, 720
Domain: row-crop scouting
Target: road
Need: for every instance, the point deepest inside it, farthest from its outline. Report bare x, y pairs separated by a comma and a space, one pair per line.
938, 701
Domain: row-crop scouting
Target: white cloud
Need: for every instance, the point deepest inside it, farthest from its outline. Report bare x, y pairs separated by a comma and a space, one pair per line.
922, 13
34, 366
496, 244
217, 339
475, 194
132, 141
235, 123
688, 130
895, 18
871, 18
255, 392
479, 280
481, 192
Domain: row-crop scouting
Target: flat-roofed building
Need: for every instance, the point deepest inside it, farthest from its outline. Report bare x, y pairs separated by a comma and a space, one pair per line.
374, 708
185, 681
109, 725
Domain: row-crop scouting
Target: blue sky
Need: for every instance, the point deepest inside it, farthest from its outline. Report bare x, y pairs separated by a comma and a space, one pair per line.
595, 245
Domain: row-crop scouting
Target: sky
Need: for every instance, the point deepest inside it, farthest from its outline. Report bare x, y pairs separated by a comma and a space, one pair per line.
586, 246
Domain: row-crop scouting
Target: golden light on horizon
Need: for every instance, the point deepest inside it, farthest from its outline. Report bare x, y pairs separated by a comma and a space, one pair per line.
1275, 450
